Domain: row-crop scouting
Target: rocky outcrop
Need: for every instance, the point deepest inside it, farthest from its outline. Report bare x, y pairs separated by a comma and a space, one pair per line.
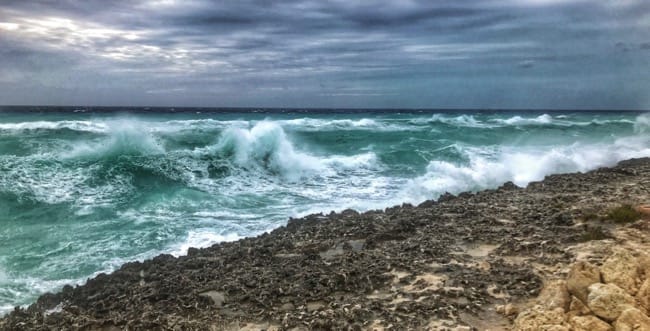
606, 307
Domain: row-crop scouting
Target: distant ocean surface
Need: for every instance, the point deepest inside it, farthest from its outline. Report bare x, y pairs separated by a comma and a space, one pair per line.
82, 191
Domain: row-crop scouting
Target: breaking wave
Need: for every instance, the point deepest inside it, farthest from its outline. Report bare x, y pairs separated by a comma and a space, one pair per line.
489, 167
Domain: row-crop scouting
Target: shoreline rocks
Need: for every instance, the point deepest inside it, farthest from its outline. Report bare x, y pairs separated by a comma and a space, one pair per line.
606, 306
465, 262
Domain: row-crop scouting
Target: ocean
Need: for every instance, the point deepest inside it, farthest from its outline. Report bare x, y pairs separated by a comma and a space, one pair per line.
83, 191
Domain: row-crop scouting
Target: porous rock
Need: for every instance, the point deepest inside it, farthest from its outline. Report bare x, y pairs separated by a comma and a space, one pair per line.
539, 318
643, 295
643, 266
608, 301
581, 275
507, 309
589, 323
620, 268
632, 319
577, 308
555, 295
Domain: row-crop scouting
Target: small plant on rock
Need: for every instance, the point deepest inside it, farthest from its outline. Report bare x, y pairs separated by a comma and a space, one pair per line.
623, 214
594, 233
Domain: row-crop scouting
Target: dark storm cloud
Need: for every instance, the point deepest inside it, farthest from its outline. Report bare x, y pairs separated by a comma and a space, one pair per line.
336, 53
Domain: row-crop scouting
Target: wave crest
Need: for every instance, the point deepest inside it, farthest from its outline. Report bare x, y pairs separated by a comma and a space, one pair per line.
86, 126
490, 167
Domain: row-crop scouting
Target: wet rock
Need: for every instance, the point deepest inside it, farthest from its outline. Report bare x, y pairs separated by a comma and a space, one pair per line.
608, 301
539, 318
620, 268
632, 319
589, 323
580, 277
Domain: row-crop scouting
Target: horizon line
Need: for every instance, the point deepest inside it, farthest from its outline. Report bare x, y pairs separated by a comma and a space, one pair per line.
81, 108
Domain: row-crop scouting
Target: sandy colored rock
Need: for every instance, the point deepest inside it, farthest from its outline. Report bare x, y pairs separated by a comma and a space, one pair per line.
554, 295
643, 266
608, 301
643, 295
507, 309
577, 308
539, 318
589, 323
620, 268
554, 328
581, 275
632, 319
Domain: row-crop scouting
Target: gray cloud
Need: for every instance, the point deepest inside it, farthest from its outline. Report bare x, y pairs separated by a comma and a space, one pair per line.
337, 53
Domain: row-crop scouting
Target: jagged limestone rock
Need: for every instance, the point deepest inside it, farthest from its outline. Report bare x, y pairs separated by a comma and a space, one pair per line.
589, 323
608, 301
581, 275
620, 268
539, 318
643, 295
632, 319
554, 295
577, 308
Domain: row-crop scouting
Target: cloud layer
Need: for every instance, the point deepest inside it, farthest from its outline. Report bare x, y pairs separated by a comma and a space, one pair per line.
569, 54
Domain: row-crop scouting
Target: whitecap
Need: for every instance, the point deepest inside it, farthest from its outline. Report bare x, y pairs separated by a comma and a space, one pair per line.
489, 167
88, 126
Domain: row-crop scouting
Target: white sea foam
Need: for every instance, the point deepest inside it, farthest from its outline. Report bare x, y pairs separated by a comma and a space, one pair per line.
125, 137
266, 144
461, 120
642, 124
492, 166
89, 126
316, 124
199, 239
518, 120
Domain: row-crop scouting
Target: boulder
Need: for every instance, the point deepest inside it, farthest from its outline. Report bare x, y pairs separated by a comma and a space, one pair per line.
620, 268
632, 319
539, 318
554, 295
581, 275
608, 301
589, 323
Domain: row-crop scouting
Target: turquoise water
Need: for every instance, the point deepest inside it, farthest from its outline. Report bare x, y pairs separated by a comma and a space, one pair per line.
81, 193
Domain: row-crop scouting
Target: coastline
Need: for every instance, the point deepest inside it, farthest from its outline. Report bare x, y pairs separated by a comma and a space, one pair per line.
443, 264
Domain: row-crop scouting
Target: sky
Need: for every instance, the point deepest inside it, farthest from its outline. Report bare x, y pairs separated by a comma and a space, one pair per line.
496, 54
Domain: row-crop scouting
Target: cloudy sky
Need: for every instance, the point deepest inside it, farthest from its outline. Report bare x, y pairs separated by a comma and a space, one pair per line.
567, 54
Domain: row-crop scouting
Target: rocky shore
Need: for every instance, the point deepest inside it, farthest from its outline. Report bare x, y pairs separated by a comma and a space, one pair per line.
476, 261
